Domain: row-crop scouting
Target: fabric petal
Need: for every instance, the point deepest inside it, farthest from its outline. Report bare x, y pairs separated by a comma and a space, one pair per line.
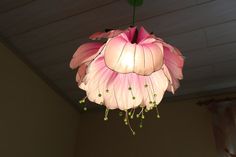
126, 73
123, 91
174, 61
125, 57
81, 73
130, 33
85, 53
109, 34
142, 35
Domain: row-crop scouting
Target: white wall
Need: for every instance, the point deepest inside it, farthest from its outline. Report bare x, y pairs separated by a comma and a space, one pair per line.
184, 130
34, 120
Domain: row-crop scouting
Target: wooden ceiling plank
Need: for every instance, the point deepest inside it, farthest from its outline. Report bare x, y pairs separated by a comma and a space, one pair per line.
164, 25
198, 73
188, 41
9, 5
78, 26
208, 84
210, 56
58, 71
44, 12
56, 54
225, 69
201, 1
221, 33
200, 16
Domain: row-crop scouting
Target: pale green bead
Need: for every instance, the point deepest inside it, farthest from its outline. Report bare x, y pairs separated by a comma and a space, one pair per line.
143, 116
105, 118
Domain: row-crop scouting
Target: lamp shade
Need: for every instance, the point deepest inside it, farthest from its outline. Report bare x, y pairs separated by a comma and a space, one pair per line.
133, 68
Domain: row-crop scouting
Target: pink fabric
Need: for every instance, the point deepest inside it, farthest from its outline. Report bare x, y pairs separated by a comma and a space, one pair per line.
131, 69
115, 92
143, 57
84, 53
143, 34
174, 62
82, 58
110, 34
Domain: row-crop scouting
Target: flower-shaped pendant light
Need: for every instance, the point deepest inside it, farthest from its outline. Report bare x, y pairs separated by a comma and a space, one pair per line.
132, 69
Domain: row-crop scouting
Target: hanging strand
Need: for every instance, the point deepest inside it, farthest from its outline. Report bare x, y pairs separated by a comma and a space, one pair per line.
134, 9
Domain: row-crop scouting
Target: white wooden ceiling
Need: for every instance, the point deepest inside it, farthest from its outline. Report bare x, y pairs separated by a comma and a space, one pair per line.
45, 33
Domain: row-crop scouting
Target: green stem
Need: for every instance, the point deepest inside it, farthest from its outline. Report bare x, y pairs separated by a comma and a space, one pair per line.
134, 7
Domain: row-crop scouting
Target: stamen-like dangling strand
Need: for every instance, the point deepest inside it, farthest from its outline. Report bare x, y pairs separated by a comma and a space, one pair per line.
142, 117
132, 115
128, 114
126, 120
141, 112
158, 115
106, 114
126, 117
82, 101
141, 123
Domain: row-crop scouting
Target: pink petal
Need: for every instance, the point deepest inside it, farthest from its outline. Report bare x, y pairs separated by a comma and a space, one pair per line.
85, 53
124, 57
174, 61
130, 33
101, 79
110, 34
142, 35
170, 79
81, 73
159, 84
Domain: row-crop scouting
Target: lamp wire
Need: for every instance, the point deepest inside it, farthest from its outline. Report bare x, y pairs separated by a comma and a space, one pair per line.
134, 10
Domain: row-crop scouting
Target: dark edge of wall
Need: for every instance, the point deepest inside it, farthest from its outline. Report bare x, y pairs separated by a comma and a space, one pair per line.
11, 47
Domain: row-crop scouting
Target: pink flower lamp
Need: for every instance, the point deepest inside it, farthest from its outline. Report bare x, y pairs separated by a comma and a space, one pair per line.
132, 69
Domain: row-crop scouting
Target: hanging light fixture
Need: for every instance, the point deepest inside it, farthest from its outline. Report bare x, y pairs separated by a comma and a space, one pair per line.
131, 70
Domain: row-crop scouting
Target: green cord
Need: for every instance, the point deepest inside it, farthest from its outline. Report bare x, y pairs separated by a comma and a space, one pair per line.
134, 7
